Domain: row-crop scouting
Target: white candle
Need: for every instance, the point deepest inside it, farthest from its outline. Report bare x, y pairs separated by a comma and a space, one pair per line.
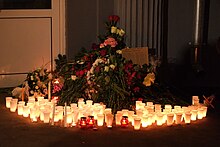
100, 119
65, 115
187, 117
13, 105
170, 118
144, 121
137, 123
178, 118
118, 117
53, 113
49, 91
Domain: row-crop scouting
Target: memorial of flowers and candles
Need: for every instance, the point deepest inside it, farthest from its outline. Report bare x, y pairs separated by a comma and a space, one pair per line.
100, 87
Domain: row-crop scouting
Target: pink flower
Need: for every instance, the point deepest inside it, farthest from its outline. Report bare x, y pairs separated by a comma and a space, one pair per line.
110, 41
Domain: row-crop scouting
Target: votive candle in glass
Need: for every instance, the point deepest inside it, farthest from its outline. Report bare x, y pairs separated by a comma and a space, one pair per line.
194, 115
204, 110
200, 113
137, 123
159, 119
144, 121
25, 111
100, 119
187, 117
124, 121
118, 117
109, 120
13, 105
82, 122
90, 121
8, 100
20, 108
178, 118
46, 116
170, 118
130, 114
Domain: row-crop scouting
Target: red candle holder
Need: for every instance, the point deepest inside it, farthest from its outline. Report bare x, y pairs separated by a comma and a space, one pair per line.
124, 121
82, 122
90, 121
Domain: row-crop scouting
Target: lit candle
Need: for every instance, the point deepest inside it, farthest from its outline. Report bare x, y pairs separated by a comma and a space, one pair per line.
49, 90
8, 100
109, 121
82, 122
25, 111
65, 115
13, 105
187, 117
144, 121
20, 108
204, 110
100, 119
170, 117
90, 121
159, 119
200, 113
53, 113
124, 121
118, 117
178, 118
194, 115
137, 123
46, 116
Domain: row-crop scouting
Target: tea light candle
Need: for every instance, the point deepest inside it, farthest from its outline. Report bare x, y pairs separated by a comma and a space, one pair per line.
137, 123
124, 121
100, 119
8, 100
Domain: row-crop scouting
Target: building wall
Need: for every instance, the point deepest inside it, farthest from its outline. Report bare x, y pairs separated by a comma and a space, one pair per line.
85, 21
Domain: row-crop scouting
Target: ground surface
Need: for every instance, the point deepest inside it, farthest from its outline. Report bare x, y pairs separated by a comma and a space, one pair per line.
16, 131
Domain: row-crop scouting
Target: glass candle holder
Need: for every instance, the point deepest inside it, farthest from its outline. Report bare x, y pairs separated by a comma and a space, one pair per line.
144, 121
46, 116
187, 117
200, 113
118, 117
204, 110
25, 111
8, 100
170, 118
90, 121
137, 123
194, 115
82, 122
124, 121
100, 119
13, 105
159, 119
20, 109
109, 120
178, 118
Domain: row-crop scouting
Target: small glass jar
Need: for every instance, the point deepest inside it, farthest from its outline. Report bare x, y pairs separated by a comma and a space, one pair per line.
90, 121
124, 121
82, 122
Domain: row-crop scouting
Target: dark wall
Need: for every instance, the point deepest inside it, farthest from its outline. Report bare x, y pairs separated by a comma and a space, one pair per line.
85, 21
180, 73
180, 28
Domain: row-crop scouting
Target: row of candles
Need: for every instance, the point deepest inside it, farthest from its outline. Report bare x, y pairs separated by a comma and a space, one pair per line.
87, 114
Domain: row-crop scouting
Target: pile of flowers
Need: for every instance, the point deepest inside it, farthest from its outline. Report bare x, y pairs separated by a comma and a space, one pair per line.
103, 75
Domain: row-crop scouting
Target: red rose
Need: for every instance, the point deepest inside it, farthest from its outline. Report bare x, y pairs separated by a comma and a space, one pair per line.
103, 52
136, 89
140, 99
114, 18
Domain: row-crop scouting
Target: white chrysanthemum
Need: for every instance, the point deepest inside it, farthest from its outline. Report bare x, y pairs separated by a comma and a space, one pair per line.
106, 68
119, 51
112, 66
